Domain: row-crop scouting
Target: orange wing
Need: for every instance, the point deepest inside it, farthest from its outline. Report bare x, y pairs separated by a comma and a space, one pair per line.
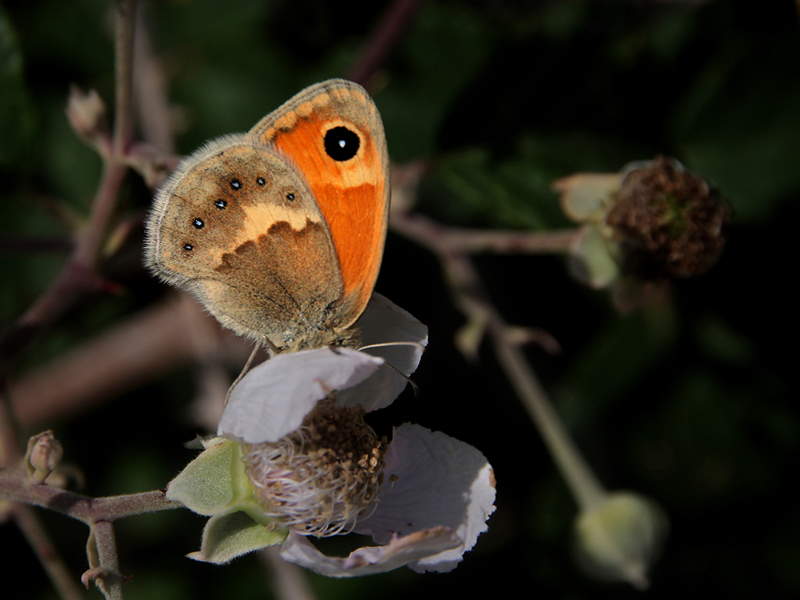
333, 133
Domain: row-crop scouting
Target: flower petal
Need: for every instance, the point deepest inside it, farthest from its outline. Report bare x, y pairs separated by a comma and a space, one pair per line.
400, 551
227, 536
273, 398
383, 322
438, 481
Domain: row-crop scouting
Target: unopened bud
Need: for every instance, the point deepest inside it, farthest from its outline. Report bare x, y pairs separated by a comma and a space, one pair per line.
43, 456
621, 538
86, 113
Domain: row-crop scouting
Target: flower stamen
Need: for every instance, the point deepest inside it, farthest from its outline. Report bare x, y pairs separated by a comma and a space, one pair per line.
323, 477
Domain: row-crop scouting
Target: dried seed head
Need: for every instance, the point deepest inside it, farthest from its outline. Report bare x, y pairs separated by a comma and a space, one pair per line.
669, 221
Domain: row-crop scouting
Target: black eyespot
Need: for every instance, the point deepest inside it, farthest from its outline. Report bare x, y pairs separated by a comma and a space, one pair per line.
198, 223
290, 197
188, 247
261, 181
236, 184
342, 143
221, 203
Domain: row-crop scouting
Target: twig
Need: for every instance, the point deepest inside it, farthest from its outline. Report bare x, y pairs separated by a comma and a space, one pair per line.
15, 486
27, 521
470, 241
76, 278
98, 513
383, 39
115, 167
452, 247
153, 341
585, 487
79, 275
106, 576
123, 120
152, 106
48, 555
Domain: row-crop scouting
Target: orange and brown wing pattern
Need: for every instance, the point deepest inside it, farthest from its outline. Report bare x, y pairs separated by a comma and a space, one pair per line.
237, 226
334, 135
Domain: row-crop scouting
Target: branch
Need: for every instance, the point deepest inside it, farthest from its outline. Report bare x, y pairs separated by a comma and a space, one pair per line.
162, 337
385, 36
471, 241
30, 526
452, 247
15, 485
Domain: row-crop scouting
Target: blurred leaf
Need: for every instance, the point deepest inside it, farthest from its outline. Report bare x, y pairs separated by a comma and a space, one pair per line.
711, 435
746, 136
439, 56
614, 362
16, 111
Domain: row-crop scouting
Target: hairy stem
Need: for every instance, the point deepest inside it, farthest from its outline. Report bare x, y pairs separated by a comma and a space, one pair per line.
15, 485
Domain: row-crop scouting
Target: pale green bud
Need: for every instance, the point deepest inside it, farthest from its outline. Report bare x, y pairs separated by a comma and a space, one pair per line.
621, 538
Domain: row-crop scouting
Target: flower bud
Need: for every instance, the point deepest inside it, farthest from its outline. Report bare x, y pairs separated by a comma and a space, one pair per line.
86, 113
621, 538
43, 456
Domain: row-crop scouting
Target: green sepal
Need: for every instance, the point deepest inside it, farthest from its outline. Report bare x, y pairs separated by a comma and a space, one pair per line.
215, 484
230, 535
593, 261
586, 197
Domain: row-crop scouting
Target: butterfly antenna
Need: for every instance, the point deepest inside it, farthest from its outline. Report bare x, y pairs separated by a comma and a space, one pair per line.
414, 386
417, 345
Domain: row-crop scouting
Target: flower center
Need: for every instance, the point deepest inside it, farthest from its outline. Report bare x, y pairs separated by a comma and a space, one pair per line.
323, 477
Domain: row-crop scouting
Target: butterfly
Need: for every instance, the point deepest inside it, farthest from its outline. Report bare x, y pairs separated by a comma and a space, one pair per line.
279, 232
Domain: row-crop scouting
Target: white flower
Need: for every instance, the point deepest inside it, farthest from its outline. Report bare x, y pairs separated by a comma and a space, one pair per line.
299, 461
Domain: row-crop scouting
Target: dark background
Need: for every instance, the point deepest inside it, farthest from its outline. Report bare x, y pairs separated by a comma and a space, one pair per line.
687, 401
